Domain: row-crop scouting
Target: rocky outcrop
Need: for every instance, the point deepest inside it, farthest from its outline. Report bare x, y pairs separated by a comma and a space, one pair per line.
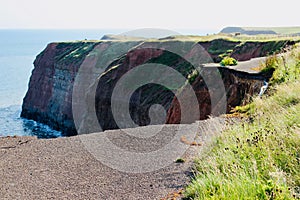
49, 97
239, 87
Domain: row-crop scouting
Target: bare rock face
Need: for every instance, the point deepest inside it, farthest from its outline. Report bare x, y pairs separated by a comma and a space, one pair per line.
239, 89
49, 97
108, 82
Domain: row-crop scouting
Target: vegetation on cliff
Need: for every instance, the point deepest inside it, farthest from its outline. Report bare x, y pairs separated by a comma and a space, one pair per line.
243, 49
259, 157
228, 61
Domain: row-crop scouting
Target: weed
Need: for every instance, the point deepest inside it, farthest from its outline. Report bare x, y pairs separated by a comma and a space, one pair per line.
228, 61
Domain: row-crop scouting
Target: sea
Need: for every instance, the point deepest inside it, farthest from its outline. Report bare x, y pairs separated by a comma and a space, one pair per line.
18, 49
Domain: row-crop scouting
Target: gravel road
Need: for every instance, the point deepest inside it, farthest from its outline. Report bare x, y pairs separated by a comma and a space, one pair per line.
63, 168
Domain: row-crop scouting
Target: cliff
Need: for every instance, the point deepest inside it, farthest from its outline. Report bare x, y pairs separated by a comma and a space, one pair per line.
245, 50
49, 98
239, 88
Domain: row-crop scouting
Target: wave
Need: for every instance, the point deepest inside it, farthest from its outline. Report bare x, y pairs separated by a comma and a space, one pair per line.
12, 124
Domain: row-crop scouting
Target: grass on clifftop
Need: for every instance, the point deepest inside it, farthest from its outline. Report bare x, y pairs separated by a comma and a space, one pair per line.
259, 157
230, 37
278, 30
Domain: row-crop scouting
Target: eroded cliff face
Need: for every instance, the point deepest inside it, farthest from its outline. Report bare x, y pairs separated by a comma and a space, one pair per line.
239, 87
49, 97
243, 51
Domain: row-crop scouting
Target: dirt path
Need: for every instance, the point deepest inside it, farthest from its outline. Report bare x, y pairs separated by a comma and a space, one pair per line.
247, 66
63, 168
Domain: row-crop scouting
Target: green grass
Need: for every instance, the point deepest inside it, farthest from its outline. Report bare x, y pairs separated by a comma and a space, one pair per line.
287, 66
229, 37
221, 44
278, 30
74, 51
259, 157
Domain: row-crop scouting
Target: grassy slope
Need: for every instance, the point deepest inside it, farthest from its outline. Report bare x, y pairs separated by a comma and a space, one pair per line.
258, 158
278, 30
239, 38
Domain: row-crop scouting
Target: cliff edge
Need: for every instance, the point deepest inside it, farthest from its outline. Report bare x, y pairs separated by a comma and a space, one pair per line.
49, 97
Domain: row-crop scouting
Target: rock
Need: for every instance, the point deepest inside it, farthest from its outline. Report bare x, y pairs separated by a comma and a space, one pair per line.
49, 96
239, 87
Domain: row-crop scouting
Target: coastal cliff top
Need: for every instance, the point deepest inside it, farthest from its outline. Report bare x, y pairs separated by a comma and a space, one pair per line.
240, 47
226, 34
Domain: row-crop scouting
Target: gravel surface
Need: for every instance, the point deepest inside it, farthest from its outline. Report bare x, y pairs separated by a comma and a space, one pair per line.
63, 168
247, 66
244, 66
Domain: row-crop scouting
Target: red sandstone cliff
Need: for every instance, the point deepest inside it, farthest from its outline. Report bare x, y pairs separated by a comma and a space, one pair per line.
49, 97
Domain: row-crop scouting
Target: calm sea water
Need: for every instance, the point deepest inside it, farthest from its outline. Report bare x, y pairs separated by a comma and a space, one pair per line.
18, 49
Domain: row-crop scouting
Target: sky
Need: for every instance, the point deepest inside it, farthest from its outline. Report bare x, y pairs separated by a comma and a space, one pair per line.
133, 14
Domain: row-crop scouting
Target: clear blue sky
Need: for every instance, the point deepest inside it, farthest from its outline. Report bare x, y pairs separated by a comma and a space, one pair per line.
132, 14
